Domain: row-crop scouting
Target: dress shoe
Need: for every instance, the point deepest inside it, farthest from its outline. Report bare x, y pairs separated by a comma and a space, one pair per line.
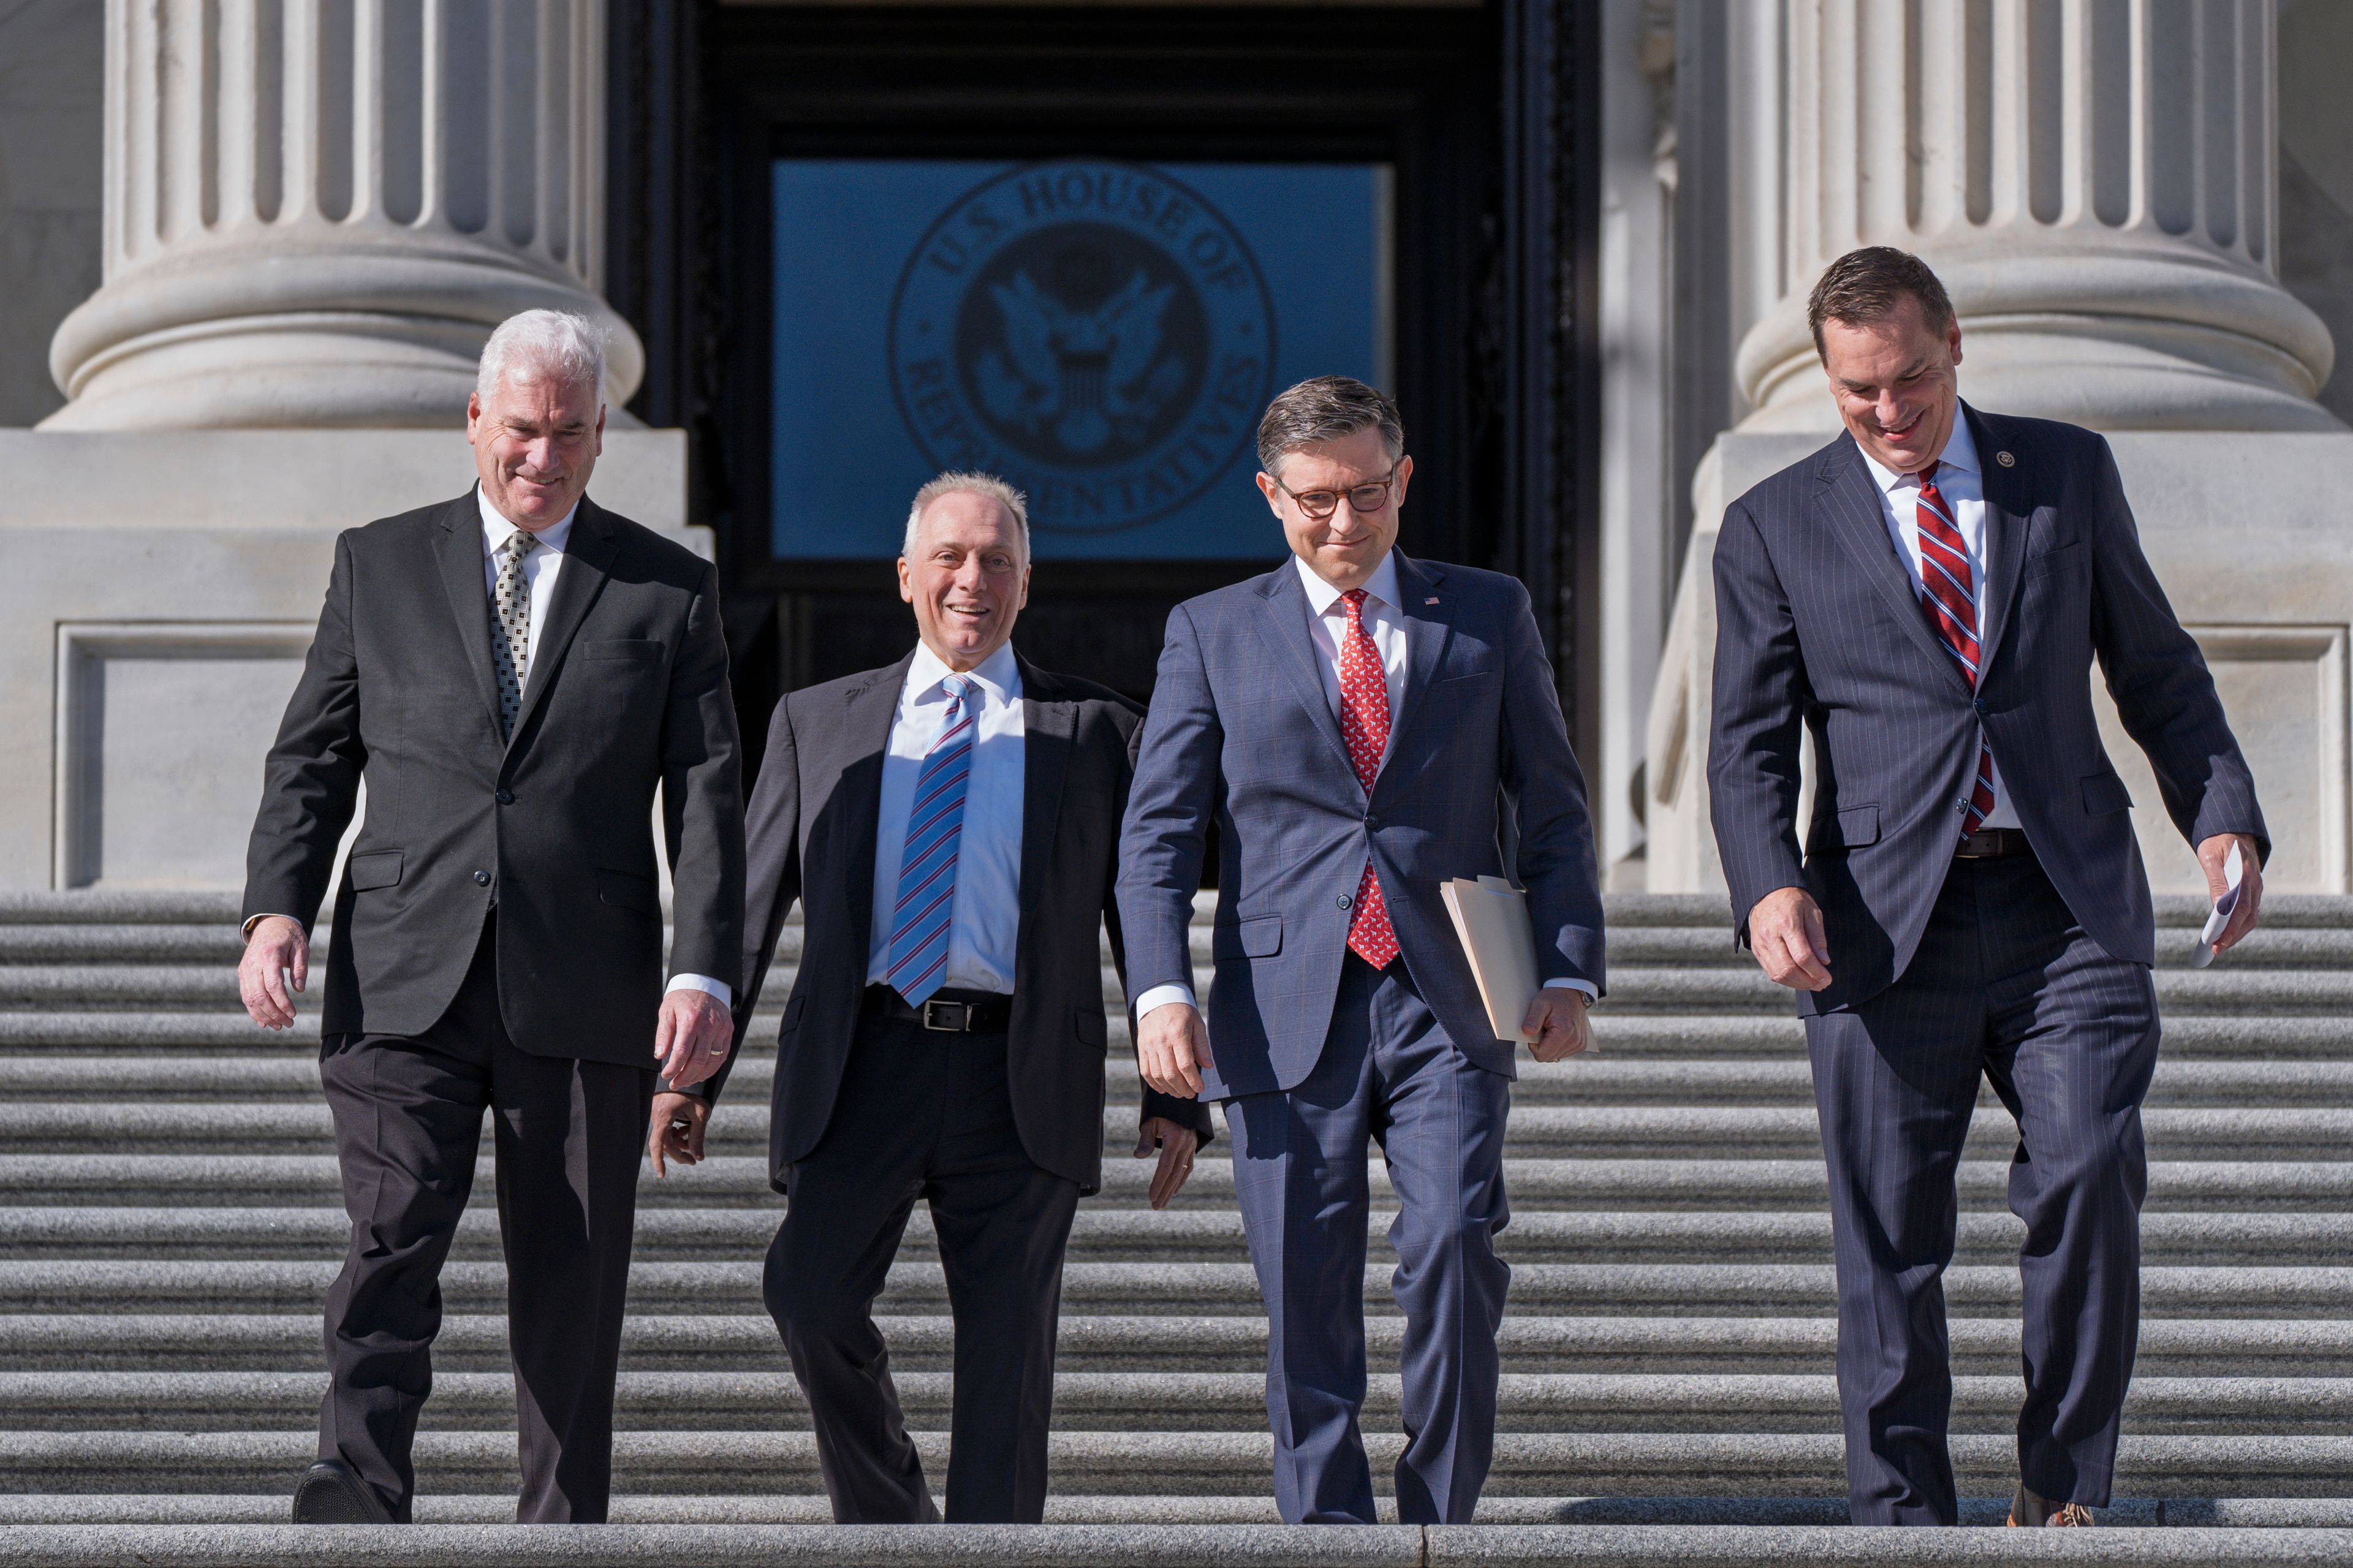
330, 1493
2027, 1508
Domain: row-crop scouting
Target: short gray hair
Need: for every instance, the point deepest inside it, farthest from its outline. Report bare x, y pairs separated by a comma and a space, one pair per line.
958, 482
566, 348
1326, 408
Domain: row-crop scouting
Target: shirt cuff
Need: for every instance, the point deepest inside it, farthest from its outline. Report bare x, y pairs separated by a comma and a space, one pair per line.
253, 921
1160, 996
1592, 992
719, 988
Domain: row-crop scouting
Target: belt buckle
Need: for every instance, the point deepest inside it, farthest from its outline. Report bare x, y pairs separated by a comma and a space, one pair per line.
935, 1020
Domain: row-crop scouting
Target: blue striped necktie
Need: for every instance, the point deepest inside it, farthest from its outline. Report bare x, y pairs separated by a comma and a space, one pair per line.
927, 865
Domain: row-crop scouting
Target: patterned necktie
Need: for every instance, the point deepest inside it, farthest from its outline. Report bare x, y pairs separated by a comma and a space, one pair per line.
927, 865
1364, 729
510, 644
1949, 595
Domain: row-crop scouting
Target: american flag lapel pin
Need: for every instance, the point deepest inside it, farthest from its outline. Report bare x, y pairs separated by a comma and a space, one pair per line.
1431, 600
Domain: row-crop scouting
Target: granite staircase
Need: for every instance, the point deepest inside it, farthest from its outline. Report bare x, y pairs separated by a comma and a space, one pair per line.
170, 1219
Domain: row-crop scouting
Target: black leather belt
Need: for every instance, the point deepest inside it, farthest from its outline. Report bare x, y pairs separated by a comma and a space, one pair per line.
1993, 844
965, 1015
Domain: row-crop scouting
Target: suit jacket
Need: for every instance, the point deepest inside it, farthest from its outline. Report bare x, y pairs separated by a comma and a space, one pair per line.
1241, 733
1817, 623
627, 692
812, 833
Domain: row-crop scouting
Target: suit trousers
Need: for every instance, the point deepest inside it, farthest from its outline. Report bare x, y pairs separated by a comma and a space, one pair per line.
924, 1113
1389, 1072
568, 1136
2008, 988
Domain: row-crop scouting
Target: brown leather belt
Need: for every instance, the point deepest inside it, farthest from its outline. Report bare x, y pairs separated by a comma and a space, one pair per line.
1993, 844
968, 1014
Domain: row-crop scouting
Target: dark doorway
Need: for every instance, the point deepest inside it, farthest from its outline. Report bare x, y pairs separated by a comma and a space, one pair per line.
1471, 113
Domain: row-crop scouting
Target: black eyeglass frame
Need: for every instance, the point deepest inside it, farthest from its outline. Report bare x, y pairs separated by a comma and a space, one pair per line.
1384, 484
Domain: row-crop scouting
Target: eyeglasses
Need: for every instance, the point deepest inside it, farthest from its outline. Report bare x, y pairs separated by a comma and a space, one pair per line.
1363, 500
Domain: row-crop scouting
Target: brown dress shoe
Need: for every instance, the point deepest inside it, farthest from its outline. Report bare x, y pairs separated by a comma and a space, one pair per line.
2027, 1508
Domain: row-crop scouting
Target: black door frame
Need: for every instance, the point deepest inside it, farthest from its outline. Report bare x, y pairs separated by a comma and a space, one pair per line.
1487, 112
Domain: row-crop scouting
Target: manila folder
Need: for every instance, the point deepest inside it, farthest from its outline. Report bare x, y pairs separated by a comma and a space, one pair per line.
1490, 915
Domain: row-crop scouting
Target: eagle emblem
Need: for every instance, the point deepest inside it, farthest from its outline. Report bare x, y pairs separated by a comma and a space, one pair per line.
1079, 374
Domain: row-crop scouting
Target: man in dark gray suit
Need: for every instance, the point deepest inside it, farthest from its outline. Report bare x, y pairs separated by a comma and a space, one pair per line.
948, 823
1926, 596
1357, 725
513, 674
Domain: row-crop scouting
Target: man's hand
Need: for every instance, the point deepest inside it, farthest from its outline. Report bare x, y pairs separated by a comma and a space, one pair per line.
676, 1130
1785, 932
2213, 855
1555, 1028
1172, 1046
1177, 1145
692, 1036
277, 961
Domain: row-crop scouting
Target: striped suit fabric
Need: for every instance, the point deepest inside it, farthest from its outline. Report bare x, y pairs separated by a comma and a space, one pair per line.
2030, 971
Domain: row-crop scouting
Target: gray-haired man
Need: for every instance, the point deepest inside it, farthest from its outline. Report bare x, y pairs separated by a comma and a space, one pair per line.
512, 673
948, 823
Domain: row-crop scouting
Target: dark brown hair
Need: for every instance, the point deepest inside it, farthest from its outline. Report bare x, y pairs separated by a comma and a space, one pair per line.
1326, 408
1868, 286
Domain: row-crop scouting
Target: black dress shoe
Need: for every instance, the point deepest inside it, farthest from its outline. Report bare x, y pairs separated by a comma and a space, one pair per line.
330, 1493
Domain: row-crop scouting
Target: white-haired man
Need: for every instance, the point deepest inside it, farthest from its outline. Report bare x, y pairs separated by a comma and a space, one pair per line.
949, 824
512, 673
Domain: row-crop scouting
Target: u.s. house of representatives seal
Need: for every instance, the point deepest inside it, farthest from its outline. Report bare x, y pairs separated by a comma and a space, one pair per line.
1094, 331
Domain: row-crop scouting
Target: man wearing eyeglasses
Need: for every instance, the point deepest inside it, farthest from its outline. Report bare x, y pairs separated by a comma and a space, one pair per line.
1355, 723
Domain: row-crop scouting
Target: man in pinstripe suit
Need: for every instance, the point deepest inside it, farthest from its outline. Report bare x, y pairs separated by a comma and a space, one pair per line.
1925, 595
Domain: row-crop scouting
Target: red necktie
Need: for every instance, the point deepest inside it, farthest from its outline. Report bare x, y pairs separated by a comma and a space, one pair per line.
1949, 595
1365, 728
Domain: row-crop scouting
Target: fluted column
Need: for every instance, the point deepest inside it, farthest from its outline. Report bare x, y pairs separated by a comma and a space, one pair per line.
2091, 179
317, 210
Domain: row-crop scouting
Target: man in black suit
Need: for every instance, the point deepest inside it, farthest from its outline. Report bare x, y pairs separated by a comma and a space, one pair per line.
512, 673
950, 824
1926, 596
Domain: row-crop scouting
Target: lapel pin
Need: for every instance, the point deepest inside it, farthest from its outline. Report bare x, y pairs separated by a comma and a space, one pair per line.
1431, 600
2005, 459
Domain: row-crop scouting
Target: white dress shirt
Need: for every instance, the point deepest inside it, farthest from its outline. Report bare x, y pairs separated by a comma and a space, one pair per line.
1960, 481
986, 922
1327, 622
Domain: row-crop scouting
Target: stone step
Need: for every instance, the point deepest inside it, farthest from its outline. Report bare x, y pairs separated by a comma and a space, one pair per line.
1653, 989
1591, 1131
1170, 1289
269, 1179
1199, 1463
1207, 1233
1109, 1530
2275, 945
745, 1340
226, 1032
1600, 1079
762, 1402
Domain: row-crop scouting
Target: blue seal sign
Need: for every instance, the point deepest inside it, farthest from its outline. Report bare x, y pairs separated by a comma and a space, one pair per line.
1094, 331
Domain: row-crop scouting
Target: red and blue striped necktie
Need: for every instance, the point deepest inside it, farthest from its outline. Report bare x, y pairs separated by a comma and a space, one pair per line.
1949, 594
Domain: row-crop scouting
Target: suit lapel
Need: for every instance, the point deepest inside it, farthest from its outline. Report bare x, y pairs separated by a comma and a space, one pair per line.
1283, 625
2009, 510
1852, 504
1429, 613
1048, 727
866, 735
587, 565
464, 572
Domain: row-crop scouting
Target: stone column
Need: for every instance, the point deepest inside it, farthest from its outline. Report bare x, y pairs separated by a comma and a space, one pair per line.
317, 210
2093, 181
